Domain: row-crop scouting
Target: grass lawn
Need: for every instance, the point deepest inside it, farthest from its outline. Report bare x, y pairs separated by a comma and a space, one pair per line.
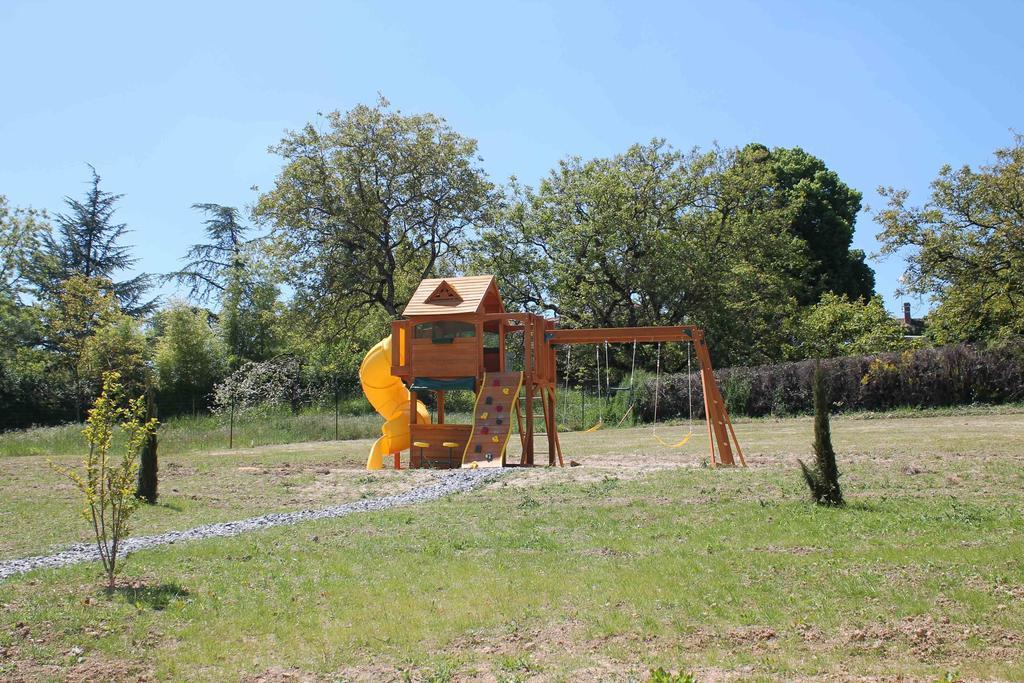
638, 559
205, 433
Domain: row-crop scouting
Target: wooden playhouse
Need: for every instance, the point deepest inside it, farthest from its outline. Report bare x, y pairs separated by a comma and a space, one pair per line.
456, 335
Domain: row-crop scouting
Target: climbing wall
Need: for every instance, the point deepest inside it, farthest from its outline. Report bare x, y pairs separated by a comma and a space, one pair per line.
492, 419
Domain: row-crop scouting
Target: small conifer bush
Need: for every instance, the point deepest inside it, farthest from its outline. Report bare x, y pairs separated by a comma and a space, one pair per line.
823, 478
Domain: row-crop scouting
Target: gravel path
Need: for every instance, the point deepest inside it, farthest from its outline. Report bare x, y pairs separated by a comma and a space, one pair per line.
445, 484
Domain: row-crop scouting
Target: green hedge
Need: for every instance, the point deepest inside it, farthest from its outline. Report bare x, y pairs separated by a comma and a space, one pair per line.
935, 377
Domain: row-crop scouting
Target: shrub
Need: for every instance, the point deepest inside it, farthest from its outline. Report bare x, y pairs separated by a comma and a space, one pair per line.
34, 393
108, 487
659, 675
260, 386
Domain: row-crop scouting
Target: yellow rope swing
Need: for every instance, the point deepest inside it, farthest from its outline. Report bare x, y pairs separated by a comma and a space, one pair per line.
689, 400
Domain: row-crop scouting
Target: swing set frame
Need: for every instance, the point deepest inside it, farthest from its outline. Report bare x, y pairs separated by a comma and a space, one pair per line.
724, 448
455, 331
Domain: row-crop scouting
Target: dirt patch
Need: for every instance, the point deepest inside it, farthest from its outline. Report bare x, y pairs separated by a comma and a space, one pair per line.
344, 484
177, 469
83, 670
281, 675
932, 639
376, 673
342, 447
748, 635
627, 656
590, 470
788, 550
536, 648
285, 469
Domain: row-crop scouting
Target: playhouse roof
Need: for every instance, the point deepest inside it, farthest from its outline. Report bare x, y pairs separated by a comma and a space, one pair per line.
454, 296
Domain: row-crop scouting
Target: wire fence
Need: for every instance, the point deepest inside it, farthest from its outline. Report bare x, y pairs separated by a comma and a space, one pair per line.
338, 418
930, 378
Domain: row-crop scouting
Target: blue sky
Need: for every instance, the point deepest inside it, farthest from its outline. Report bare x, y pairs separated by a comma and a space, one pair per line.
176, 103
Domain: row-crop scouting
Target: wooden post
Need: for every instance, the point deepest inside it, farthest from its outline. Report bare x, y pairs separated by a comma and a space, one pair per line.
551, 425
522, 432
480, 349
501, 346
528, 371
714, 407
412, 421
722, 442
440, 406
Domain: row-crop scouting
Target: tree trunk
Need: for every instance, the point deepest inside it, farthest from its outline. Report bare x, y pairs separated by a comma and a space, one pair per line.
148, 465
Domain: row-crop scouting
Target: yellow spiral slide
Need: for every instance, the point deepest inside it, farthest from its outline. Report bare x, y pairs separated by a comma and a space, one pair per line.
389, 397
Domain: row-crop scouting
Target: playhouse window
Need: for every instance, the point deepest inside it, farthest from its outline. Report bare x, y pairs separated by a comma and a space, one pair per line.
444, 331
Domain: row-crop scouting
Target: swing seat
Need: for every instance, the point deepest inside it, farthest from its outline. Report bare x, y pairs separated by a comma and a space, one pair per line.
597, 426
657, 395
677, 444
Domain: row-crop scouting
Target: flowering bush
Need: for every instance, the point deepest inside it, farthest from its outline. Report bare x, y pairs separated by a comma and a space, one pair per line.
263, 385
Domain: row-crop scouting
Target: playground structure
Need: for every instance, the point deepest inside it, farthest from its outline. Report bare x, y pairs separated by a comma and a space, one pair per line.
455, 335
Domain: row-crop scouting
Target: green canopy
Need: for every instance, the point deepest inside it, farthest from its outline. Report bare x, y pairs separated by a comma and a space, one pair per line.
429, 384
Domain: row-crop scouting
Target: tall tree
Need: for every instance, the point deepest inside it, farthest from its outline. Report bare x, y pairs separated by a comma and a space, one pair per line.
87, 243
248, 320
364, 210
653, 236
22, 232
227, 269
118, 345
824, 216
81, 307
836, 326
190, 358
965, 247
211, 266
30, 393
